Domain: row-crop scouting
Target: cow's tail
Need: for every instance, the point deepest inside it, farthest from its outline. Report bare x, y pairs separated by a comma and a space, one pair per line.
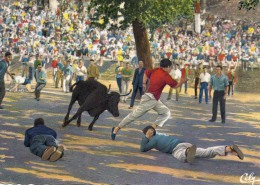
71, 87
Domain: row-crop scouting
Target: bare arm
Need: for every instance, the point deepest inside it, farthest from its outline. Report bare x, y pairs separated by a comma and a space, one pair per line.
182, 81
10, 74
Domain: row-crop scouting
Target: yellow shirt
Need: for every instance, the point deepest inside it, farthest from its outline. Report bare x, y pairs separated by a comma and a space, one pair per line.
253, 49
251, 30
52, 44
23, 14
207, 34
66, 16
90, 46
71, 29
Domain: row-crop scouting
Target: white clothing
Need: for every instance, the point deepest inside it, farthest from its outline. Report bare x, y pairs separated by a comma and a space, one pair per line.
205, 77
175, 74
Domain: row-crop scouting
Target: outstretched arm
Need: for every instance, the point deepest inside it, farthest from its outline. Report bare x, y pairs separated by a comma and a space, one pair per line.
147, 144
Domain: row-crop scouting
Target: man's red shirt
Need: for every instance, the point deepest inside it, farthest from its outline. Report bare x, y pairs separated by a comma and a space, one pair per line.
158, 80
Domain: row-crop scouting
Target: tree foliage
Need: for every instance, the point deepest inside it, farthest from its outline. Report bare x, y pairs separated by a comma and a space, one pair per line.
247, 4
151, 13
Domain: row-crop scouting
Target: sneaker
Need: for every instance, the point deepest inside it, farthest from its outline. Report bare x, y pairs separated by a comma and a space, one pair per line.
113, 136
212, 120
190, 154
234, 148
130, 107
223, 121
1, 107
57, 154
48, 152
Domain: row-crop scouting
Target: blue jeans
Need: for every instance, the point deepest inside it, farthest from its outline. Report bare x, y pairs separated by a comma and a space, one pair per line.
119, 84
204, 87
185, 86
40, 143
134, 95
80, 78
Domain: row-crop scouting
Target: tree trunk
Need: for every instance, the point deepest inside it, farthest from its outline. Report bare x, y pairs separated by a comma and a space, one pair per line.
142, 44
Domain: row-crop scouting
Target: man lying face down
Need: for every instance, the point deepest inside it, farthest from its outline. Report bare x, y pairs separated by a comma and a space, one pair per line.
183, 151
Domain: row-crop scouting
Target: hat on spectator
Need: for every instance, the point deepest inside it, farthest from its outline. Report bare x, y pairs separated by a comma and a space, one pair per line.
186, 64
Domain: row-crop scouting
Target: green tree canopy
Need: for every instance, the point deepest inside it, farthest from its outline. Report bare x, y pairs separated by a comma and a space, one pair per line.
141, 14
247, 4
148, 12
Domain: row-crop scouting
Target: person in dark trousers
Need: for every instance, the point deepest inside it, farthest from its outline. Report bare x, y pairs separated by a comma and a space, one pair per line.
4, 64
232, 79
137, 82
42, 141
183, 151
40, 77
197, 73
219, 82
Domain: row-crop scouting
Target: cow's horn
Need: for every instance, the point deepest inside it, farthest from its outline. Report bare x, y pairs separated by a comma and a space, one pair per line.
127, 93
108, 88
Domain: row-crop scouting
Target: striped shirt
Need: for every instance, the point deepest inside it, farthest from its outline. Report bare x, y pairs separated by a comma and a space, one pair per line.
3, 69
219, 84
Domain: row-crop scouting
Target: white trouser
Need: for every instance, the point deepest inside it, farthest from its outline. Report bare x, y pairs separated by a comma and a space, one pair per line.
66, 83
179, 151
147, 103
125, 85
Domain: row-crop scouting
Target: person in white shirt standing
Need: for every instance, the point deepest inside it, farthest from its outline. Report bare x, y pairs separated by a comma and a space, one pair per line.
204, 82
176, 75
80, 71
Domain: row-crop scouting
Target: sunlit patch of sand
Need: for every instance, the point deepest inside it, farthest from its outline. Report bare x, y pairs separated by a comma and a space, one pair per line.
14, 125
107, 152
247, 159
2, 182
87, 141
6, 157
177, 173
211, 140
43, 164
92, 168
250, 115
207, 126
50, 170
247, 134
11, 135
247, 97
79, 143
9, 118
4, 149
43, 175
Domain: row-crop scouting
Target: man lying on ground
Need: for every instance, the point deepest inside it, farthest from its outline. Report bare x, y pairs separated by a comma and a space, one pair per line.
42, 141
181, 150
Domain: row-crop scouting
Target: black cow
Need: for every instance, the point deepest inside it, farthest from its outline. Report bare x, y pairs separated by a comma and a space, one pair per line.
94, 98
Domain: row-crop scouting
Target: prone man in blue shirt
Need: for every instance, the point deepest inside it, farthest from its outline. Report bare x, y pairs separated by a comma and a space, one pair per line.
42, 141
183, 151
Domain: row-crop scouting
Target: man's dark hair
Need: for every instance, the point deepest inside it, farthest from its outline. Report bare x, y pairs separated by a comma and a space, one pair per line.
165, 63
91, 60
38, 121
7, 54
147, 128
219, 66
